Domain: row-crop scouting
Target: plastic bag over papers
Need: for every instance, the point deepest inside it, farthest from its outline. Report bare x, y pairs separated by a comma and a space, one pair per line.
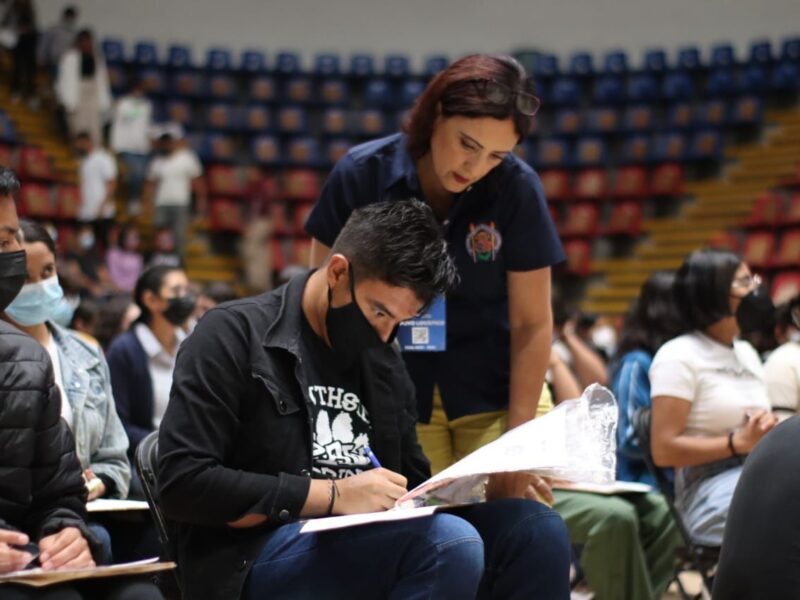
576, 441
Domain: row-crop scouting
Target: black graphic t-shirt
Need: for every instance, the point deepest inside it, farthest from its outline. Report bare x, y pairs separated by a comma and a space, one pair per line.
341, 423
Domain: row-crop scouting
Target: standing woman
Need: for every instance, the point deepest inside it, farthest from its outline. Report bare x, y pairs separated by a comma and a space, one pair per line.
456, 153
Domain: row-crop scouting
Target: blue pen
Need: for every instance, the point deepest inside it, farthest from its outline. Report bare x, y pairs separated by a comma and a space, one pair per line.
372, 458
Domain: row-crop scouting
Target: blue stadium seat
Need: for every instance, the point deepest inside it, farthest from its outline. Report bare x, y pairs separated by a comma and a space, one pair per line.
546, 66
636, 150
581, 65
292, 119
186, 84
565, 91
178, 111
638, 119
396, 65
253, 61
670, 147
790, 49
335, 149
371, 123
552, 154
334, 92
223, 116
303, 152
298, 90
643, 87
327, 65
720, 84
8, 133
179, 57
219, 59
287, 63
567, 122
713, 113
761, 53
689, 59
412, 88
263, 89
677, 86
377, 94
754, 80
362, 65
723, 56
117, 78
747, 111
266, 150
221, 86
145, 54
785, 77
335, 122
153, 80
679, 116
434, 64
604, 121
257, 118
609, 89
113, 50
590, 152
616, 63
706, 145
655, 61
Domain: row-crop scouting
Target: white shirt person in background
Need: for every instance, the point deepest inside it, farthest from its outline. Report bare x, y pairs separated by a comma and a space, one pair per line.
782, 369
132, 120
98, 181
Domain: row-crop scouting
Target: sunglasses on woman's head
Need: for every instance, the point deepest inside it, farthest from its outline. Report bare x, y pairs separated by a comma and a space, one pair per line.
500, 94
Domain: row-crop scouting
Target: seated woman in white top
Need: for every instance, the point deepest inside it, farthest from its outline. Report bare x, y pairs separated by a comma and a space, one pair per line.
710, 404
782, 368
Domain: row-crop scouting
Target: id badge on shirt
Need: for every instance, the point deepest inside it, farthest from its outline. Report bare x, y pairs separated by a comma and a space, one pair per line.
427, 333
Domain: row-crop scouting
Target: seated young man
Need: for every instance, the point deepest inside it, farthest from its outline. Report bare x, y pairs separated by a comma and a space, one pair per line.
275, 399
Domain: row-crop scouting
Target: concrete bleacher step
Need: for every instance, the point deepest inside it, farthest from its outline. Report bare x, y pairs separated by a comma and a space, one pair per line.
205, 276
612, 293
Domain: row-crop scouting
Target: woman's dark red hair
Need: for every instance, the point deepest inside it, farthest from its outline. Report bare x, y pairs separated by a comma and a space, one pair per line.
454, 93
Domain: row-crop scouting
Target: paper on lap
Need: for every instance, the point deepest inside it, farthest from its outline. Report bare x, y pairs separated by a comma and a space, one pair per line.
113, 505
42, 578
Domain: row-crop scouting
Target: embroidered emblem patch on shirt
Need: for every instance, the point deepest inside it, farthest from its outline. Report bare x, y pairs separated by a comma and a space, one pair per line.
483, 242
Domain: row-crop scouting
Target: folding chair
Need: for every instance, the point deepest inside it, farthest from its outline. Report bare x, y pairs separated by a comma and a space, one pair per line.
146, 465
692, 556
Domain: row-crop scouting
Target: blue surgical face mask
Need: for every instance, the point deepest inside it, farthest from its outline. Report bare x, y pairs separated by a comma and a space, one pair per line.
36, 302
64, 310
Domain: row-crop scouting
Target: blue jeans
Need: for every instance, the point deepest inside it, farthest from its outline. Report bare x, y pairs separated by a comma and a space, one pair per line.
136, 167
500, 549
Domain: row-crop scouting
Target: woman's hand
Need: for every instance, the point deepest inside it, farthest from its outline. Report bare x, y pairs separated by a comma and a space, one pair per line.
519, 485
757, 426
94, 485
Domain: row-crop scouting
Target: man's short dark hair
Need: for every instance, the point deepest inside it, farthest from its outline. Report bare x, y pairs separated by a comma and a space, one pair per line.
70, 12
9, 184
401, 244
703, 286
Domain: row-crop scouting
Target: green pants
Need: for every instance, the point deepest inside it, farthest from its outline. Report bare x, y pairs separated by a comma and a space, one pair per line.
628, 542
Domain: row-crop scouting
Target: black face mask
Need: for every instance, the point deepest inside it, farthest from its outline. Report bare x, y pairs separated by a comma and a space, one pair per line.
756, 312
349, 330
13, 272
180, 309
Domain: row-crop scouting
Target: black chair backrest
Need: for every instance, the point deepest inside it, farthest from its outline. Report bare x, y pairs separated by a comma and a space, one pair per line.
146, 466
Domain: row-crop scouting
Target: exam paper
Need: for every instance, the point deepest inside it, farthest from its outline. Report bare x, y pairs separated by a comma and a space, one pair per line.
41, 578
112, 505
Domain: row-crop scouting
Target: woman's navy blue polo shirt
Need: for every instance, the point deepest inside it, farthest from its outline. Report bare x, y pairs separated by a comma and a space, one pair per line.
500, 224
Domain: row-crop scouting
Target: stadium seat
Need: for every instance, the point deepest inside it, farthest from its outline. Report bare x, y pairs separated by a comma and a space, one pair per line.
117, 79
667, 180
216, 147
434, 64
761, 53
292, 119
276, 249
677, 86
638, 119
713, 113
790, 49
788, 254
706, 146
179, 57
578, 254
226, 215
7, 157
581, 64
362, 65
303, 151
565, 92
34, 164
221, 116
36, 201
591, 184
680, 116
746, 111
546, 66
785, 77
582, 221
643, 87
377, 94
754, 80
785, 286
609, 90
552, 154
68, 201
603, 121
396, 66
636, 150
287, 63
301, 185
263, 89
145, 54
335, 149
615, 63
625, 219
257, 118
253, 62
655, 61
8, 133
302, 247
630, 183
113, 51
590, 152
723, 56
724, 240
555, 183
766, 212
720, 84
298, 90
412, 88
334, 122
371, 123
179, 111
221, 86
689, 59
334, 92
219, 59
567, 122
327, 65
758, 249
266, 150
186, 84
153, 81
791, 215
225, 180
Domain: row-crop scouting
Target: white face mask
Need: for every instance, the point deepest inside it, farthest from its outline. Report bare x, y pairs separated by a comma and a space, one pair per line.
606, 338
795, 336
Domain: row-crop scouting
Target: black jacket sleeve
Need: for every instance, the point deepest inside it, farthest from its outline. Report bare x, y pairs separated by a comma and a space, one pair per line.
199, 431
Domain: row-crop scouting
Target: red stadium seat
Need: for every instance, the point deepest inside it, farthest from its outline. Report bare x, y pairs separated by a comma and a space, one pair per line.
37, 201
34, 164
626, 219
301, 213
725, 241
792, 214
69, 201
579, 255
582, 221
758, 249
788, 254
301, 252
6, 156
556, 185
766, 211
667, 180
301, 184
630, 183
591, 184
224, 180
785, 286
226, 215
